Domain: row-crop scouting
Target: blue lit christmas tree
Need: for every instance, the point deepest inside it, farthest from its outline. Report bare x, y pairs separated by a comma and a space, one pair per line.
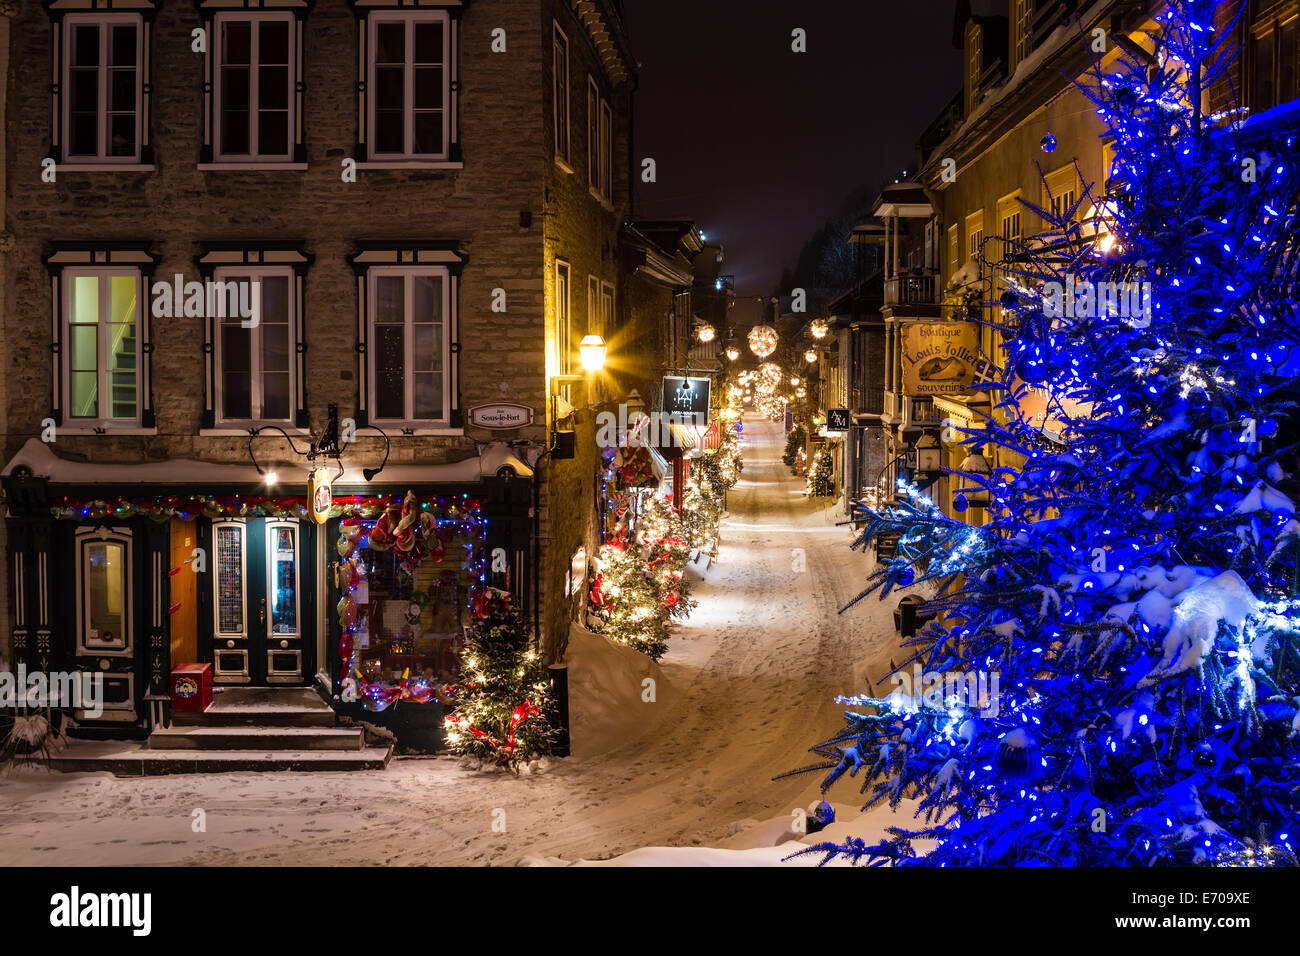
1136, 589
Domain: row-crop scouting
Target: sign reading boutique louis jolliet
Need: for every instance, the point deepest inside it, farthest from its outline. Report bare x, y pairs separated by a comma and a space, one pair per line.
687, 397
500, 416
939, 358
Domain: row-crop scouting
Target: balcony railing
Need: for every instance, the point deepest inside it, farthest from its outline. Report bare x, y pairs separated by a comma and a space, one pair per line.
912, 290
868, 401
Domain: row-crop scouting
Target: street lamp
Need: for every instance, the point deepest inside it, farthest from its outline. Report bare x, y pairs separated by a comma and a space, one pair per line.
928, 454
592, 349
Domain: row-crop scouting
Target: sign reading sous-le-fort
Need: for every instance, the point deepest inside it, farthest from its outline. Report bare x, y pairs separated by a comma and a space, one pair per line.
939, 358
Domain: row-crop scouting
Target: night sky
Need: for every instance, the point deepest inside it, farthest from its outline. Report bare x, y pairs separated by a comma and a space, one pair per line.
760, 145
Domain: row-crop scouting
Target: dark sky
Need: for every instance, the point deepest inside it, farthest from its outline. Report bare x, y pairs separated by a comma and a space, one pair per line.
760, 145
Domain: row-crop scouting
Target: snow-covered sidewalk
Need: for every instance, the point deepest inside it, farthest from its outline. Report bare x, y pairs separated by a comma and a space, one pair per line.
748, 684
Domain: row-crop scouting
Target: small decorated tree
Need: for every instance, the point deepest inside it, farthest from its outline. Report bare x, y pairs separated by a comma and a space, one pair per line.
821, 474
626, 599
701, 514
793, 446
504, 713
665, 542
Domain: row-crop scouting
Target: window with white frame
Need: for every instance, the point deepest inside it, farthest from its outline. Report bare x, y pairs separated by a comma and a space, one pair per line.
560, 92
256, 377
563, 327
606, 151
408, 343
101, 345
593, 136
254, 86
606, 310
408, 83
103, 82
593, 305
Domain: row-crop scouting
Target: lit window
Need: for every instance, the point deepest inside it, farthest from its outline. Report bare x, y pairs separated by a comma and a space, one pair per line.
102, 354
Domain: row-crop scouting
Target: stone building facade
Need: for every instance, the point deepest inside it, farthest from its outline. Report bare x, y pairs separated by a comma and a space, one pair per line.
430, 187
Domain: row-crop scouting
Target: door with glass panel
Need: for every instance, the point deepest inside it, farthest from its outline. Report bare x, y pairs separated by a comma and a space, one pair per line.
261, 608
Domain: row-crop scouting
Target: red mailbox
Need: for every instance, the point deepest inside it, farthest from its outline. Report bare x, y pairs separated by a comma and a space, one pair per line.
191, 688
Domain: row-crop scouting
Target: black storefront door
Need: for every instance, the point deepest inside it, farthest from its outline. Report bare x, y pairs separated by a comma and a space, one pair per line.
263, 605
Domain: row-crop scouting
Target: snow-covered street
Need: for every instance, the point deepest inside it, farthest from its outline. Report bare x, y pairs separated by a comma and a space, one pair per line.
748, 684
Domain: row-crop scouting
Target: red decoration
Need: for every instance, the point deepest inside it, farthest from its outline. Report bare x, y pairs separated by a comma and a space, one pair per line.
597, 595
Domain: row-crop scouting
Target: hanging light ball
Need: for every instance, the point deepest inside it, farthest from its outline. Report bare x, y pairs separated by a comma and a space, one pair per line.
1048, 143
769, 374
706, 333
763, 340
810, 356
733, 353
819, 328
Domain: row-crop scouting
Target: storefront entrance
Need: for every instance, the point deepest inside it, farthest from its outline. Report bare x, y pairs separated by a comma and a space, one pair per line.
260, 596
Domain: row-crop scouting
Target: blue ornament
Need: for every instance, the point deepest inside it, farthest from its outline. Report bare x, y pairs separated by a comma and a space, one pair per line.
1019, 757
959, 502
906, 576
1048, 143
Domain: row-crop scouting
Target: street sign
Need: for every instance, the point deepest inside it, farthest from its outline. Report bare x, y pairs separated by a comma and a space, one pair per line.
501, 416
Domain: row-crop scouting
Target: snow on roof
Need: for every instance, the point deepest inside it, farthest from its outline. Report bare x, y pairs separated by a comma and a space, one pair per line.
42, 461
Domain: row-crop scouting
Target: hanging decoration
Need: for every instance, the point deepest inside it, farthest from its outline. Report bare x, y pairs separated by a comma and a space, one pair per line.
763, 340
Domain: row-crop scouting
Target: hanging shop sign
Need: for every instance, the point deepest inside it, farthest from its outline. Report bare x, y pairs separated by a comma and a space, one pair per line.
939, 358
837, 420
500, 416
688, 398
320, 495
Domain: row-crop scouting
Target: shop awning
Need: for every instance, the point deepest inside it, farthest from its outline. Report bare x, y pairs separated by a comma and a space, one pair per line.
39, 459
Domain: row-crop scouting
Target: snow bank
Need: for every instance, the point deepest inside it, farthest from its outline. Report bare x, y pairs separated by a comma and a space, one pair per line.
606, 684
762, 843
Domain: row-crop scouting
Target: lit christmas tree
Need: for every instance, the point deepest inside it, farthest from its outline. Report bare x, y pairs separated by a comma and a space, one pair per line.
1135, 587
665, 542
701, 515
821, 473
719, 472
504, 712
626, 598
793, 446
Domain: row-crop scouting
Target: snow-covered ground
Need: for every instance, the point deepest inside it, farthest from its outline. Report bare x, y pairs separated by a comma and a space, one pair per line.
747, 686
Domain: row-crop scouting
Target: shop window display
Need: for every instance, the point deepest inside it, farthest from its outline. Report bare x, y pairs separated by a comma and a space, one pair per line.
406, 579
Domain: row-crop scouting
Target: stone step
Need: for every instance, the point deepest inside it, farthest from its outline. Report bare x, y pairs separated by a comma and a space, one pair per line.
261, 707
234, 737
134, 760
238, 717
